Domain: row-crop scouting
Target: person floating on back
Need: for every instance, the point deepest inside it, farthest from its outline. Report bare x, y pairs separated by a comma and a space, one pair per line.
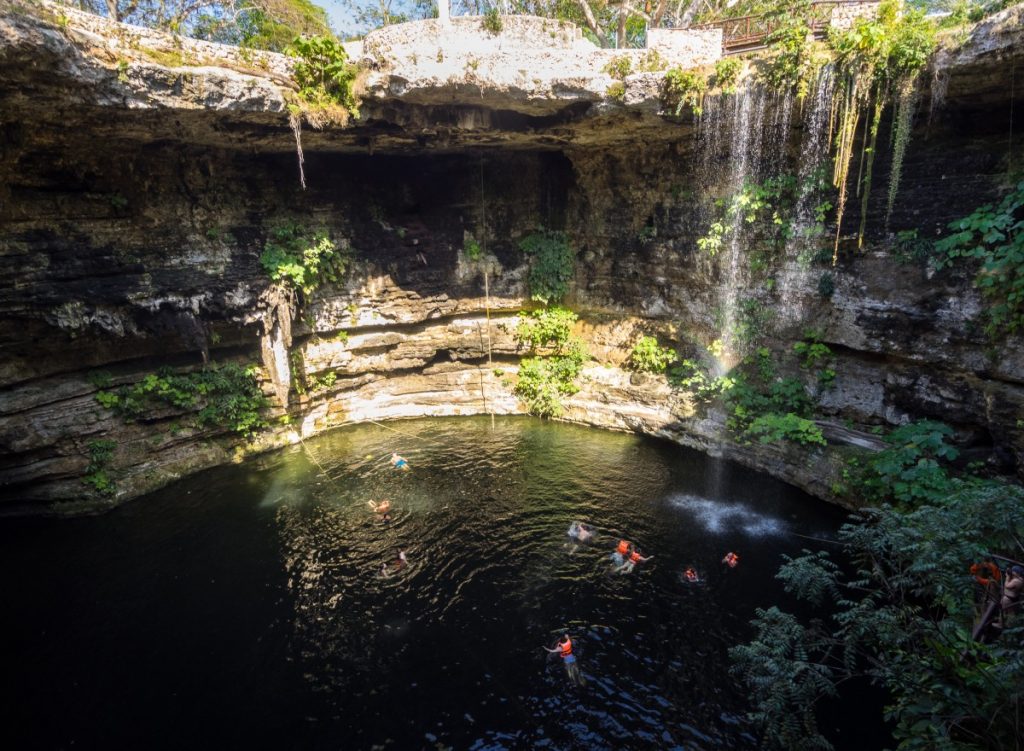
572, 669
731, 560
581, 532
630, 563
399, 462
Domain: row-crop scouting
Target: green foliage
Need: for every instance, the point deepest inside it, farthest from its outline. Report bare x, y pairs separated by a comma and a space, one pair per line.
792, 62
619, 67
648, 357
100, 454
552, 267
826, 284
225, 396
324, 75
342, 336
492, 21
913, 469
994, 238
901, 610
766, 208
544, 381
302, 259
321, 383
101, 379
812, 352
681, 88
617, 91
727, 74
471, 249
773, 427
550, 327
910, 248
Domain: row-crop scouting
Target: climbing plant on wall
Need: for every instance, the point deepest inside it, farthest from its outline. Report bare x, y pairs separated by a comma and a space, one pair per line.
878, 61
552, 264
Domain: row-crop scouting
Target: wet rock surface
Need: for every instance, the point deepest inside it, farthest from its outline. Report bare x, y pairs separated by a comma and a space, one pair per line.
134, 212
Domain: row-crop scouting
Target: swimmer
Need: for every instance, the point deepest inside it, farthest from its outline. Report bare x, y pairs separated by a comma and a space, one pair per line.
621, 553
399, 462
572, 669
581, 532
630, 563
690, 575
382, 507
731, 560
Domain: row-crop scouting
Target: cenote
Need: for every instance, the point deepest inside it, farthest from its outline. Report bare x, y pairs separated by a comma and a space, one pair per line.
243, 607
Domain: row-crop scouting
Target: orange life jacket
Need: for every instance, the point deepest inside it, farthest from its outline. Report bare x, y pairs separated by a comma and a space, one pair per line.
623, 548
732, 559
566, 648
690, 575
635, 557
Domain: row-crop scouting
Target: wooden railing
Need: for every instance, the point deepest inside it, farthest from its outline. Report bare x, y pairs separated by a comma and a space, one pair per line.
751, 32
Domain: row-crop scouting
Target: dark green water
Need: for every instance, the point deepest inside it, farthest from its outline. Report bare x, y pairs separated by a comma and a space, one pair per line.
243, 608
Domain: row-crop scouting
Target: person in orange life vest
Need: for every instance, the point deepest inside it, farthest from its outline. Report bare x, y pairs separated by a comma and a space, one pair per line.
690, 575
731, 560
564, 649
621, 554
630, 563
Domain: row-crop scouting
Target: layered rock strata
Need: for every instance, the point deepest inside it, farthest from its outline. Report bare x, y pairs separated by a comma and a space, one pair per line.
135, 201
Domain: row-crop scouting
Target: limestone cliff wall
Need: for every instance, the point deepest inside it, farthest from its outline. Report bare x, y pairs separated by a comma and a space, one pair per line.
133, 213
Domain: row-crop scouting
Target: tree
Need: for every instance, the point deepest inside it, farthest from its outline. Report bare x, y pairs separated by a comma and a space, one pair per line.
899, 612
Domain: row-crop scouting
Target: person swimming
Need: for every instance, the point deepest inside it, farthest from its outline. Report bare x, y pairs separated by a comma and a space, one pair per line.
731, 560
581, 532
395, 565
690, 575
621, 553
631, 560
380, 507
564, 650
399, 462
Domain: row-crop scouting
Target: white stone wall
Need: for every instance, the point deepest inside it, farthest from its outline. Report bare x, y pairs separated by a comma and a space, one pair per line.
689, 48
844, 14
135, 41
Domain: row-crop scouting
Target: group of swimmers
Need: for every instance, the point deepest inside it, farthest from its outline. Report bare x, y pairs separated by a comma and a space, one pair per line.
625, 557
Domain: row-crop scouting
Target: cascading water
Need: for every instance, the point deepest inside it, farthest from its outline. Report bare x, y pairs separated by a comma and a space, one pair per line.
795, 275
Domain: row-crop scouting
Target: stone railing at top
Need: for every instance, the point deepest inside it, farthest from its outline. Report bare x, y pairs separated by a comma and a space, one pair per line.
747, 33
527, 50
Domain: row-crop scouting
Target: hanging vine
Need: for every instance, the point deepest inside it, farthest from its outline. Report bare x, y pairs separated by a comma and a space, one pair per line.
878, 60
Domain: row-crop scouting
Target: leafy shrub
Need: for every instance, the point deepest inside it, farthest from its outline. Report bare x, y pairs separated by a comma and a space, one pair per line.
619, 67
550, 327
617, 91
994, 238
552, 267
492, 21
727, 74
826, 285
471, 249
543, 381
324, 75
302, 259
773, 427
648, 357
225, 396
791, 64
912, 470
682, 88
100, 454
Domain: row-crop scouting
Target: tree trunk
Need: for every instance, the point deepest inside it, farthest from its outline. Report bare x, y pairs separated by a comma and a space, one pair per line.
588, 14
112, 10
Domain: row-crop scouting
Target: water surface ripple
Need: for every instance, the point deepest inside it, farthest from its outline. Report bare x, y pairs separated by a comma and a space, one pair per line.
245, 607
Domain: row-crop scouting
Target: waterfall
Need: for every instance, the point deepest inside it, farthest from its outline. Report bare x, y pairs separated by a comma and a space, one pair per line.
795, 273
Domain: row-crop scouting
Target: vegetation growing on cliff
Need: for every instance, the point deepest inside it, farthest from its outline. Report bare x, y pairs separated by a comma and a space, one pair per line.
544, 381
221, 396
101, 451
302, 259
683, 88
551, 266
326, 80
992, 237
901, 610
647, 356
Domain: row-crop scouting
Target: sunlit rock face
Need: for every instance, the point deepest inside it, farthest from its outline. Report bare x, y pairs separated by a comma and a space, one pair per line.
134, 213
